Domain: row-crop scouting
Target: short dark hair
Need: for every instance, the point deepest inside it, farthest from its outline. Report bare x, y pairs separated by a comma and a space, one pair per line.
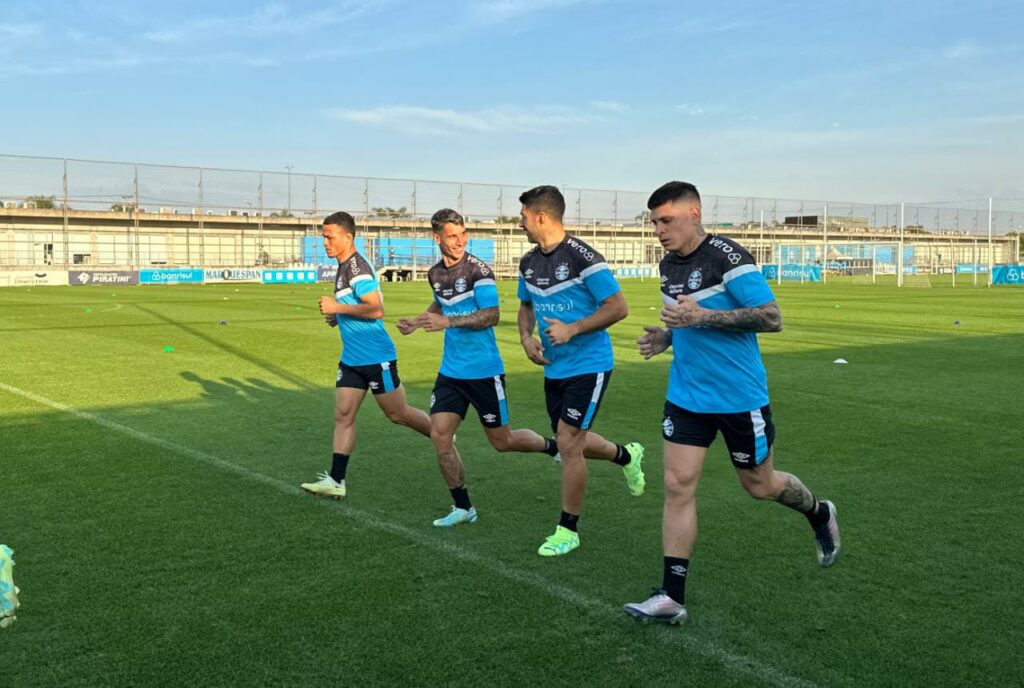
546, 198
671, 192
343, 220
446, 216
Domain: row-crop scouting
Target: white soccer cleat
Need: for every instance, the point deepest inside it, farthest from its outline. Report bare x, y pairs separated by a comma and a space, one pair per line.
826, 538
326, 486
658, 607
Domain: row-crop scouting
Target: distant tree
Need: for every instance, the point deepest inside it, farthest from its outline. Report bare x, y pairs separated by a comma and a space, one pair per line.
388, 211
283, 213
506, 220
643, 218
45, 202
120, 208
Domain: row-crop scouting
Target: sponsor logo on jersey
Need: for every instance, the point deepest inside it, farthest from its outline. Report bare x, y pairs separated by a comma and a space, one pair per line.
580, 248
460, 285
664, 278
668, 427
562, 271
735, 258
437, 285
693, 281
528, 274
354, 266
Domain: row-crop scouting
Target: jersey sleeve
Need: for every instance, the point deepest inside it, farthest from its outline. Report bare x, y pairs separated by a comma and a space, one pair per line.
599, 280
524, 293
363, 285
747, 285
485, 290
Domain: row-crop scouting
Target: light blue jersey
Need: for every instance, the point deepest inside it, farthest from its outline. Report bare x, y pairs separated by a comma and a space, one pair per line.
569, 284
461, 289
363, 342
715, 370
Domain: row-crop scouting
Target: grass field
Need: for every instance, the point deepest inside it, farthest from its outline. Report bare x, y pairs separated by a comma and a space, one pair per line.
152, 500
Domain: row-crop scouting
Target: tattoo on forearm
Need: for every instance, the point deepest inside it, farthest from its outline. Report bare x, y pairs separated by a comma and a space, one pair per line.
478, 320
766, 318
795, 495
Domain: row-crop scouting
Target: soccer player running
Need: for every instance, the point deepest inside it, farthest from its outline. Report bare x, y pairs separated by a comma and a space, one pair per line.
368, 359
716, 301
465, 306
567, 289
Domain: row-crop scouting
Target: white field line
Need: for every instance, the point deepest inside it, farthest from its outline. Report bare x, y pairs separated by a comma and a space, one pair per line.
674, 637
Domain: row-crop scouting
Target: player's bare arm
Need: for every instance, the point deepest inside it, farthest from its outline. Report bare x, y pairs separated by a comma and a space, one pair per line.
369, 308
531, 345
688, 313
612, 310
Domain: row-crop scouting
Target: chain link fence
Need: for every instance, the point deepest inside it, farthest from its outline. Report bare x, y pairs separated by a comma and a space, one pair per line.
67, 212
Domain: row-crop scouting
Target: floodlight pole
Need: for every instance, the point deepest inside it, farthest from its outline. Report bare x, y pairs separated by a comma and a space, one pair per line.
289, 168
824, 242
899, 257
991, 249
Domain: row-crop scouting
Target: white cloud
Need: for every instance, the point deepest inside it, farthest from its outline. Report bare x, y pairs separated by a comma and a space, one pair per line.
608, 106
963, 50
495, 11
267, 20
412, 119
692, 110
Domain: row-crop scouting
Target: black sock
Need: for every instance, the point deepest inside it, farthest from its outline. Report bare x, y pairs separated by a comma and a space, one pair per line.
673, 578
550, 446
819, 515
339, 467
570, 521
622, 456
461, 496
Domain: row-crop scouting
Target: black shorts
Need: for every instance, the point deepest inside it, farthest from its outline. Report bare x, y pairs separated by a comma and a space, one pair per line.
487, 395
379, 378
575, 400
748, 436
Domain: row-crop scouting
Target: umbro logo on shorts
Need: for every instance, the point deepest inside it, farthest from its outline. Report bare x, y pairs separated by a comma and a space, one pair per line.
668, 427
490, 417
573, 413
374, 385
740, 456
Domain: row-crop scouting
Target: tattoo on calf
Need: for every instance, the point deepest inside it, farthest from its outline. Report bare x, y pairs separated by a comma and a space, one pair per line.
795, 495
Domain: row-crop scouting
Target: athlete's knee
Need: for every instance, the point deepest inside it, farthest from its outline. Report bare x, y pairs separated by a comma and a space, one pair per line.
502, 443
344, 416
679, 486
758, 486
441, 438
398, 416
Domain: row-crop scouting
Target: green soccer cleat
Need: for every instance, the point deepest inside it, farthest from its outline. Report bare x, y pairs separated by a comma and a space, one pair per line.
634, 470
562, 541
326, 486
8, 590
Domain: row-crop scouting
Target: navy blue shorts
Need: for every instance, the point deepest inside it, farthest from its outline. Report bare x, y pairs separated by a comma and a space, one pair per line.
748, 435
379, 378
575, 400
487, 396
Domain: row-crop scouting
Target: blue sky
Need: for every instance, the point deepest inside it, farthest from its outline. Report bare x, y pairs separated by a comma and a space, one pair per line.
872, 101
